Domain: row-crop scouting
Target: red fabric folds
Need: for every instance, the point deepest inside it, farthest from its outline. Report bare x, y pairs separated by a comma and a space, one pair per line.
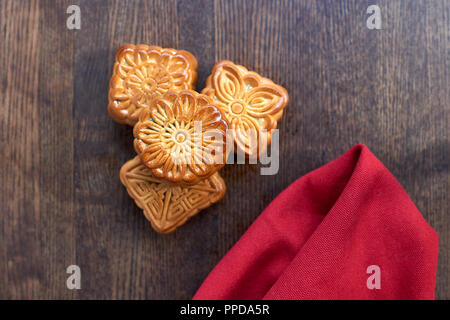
317, 239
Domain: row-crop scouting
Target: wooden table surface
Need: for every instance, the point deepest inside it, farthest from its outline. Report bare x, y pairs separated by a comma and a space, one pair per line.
61, 199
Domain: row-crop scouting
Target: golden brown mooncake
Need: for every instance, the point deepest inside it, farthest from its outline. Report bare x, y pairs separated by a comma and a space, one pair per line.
141, 73
252, 104
181, 137
168, 206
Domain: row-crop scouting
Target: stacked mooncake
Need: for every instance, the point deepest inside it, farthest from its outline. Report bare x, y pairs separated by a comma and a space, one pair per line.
182, 137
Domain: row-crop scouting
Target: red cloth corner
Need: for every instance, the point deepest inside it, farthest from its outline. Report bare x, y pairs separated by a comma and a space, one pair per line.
317, 239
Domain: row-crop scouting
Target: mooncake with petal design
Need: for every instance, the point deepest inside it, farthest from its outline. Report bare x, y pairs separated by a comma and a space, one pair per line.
168, 206
181, 137
252, 104
141, 73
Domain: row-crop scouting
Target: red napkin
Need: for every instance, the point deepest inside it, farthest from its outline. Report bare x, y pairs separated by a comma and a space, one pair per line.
347, 230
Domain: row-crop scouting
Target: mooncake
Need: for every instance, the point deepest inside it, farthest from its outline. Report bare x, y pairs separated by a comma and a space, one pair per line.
252, 105
168, 206
141, 73
181, 137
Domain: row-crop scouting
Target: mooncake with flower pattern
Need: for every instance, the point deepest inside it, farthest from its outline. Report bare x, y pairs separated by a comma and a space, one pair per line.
251, 103
142, 73
181, 137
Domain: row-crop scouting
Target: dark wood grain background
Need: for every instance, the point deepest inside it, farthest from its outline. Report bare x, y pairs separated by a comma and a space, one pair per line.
61, 199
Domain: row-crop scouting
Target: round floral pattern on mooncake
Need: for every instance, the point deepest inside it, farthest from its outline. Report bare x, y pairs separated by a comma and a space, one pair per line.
181, 136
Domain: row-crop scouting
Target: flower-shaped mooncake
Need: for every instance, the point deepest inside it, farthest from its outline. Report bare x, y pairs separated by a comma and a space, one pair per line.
252, 104
181, 136
168, 206
142, 73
